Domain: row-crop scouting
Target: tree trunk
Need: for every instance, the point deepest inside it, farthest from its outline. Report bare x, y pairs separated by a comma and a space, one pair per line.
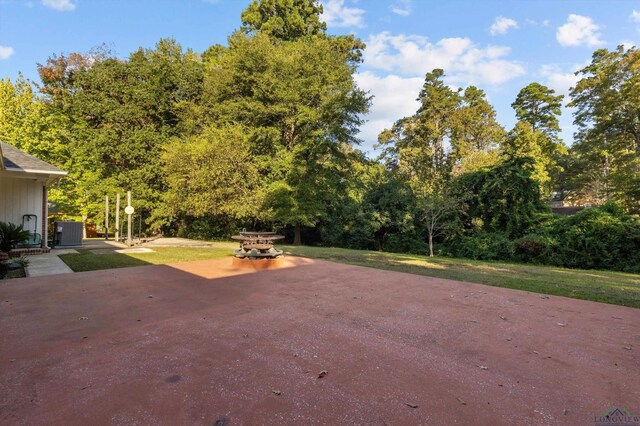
297, 239
430, 245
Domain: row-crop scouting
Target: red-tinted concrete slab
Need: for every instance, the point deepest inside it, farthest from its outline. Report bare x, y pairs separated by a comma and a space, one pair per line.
201, 343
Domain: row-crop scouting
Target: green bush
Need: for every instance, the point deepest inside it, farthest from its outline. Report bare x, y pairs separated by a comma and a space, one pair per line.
537, 249
599, 238
406, 244
482, 245
11, 235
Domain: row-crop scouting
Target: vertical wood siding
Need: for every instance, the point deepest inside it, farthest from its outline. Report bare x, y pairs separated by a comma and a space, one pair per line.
19, 197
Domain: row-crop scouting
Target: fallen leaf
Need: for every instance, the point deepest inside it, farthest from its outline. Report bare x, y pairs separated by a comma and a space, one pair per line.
509, 339
322, 374
150, 296
83, 318
503, 318
616, 317
461, 401
482, 367
628, 347
408, 404
565, 412
544, 296
562, 324
474, 321
277, 392
536, 352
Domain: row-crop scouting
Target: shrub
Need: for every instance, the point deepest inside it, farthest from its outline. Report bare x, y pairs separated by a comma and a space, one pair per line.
599, 238
482, 245
406, 244
536, 248
11, 235
22, 261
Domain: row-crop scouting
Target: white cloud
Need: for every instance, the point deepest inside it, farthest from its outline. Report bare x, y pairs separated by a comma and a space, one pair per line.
402, 7
463, 61
502, 25
394, 97
6, 52
544, 23
336, 14
635, 17
63, 5
558, 80
579, 31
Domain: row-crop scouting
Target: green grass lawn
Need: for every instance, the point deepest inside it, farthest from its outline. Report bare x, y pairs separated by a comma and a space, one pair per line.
85, 260
601, 286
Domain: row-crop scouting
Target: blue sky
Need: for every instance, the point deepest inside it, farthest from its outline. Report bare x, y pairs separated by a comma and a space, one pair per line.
499, 46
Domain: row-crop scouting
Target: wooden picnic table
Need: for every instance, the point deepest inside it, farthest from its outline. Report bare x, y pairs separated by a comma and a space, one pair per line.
257, 244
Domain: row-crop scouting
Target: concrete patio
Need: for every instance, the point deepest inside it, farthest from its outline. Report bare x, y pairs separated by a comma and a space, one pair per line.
201, 343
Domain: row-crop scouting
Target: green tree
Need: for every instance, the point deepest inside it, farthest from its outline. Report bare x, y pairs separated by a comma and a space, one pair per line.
212, 174
119, 115
476, 135
540, 107
25, 122
415, 146
504, 199
389, 207
284, 19
434, 210
301, 108
524, 142
607, 102
535, 135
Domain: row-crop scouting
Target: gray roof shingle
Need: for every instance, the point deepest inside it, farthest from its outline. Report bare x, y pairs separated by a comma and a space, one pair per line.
15, 160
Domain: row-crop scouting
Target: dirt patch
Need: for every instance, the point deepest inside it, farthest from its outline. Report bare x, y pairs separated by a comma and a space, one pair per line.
216, 345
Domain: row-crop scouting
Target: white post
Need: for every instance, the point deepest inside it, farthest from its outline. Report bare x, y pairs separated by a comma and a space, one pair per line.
106, 217
45, 222
129, 242
118, 217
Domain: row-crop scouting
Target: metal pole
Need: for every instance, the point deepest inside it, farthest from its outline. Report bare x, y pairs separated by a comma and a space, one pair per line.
129, 242
106, 217
118, 217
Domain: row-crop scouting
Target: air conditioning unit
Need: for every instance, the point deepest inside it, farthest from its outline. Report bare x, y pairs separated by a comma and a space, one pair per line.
68, 234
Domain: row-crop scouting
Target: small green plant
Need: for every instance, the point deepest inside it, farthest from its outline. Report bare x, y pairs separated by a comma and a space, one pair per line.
22, 261
11, 235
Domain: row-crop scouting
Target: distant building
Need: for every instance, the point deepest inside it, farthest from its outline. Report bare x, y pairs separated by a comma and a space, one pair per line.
559, 206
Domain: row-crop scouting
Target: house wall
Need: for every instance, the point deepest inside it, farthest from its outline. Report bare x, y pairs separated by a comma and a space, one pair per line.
19, 197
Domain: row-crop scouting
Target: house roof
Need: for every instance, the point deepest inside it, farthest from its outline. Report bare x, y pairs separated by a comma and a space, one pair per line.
15, 160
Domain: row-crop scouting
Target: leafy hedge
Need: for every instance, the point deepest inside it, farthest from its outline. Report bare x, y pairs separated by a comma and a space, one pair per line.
594, 238
599, 238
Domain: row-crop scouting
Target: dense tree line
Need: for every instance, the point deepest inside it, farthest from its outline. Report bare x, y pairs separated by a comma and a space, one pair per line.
262, 133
